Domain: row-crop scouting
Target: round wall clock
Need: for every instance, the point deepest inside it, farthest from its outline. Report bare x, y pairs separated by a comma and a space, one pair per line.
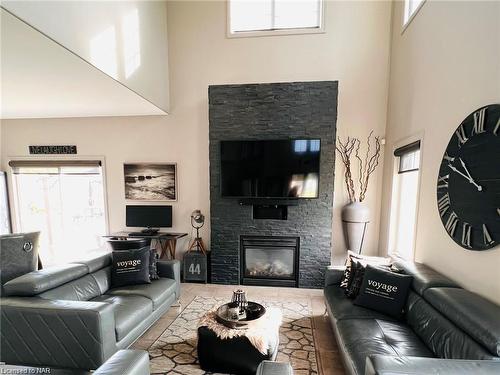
468, 185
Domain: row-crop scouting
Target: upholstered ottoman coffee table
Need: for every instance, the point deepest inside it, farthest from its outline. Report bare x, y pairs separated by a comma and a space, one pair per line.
237, 351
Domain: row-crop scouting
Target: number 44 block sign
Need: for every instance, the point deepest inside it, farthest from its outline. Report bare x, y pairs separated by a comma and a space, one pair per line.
195, 266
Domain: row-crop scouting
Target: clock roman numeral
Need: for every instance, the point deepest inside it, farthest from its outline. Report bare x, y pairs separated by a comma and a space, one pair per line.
443, 181
466, 229
461, 137
479, 121
448, 157
497, 126
486, 236
443, 204
451, 223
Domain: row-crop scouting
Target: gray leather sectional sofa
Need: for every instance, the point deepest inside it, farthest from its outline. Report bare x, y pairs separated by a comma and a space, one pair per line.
70, 317
123, 362
446, 329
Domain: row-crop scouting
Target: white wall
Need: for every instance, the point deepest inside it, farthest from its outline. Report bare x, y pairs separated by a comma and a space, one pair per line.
107, 28
445, 65
354, 50
56, 83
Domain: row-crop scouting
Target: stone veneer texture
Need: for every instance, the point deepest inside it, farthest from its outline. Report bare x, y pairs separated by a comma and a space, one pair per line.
273, 111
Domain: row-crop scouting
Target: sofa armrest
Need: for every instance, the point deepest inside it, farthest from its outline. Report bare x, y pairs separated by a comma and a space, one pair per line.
274, 368
389, 365
171, 269
334, 274
55, 333
126, 362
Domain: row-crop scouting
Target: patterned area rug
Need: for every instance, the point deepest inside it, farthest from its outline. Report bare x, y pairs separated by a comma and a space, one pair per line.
175, 350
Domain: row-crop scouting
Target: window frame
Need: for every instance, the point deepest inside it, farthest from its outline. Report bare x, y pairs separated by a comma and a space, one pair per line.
392, 204
11, 184
405, 23
277, 32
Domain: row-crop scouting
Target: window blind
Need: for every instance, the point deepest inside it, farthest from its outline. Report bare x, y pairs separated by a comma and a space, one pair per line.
84, 167
409, 157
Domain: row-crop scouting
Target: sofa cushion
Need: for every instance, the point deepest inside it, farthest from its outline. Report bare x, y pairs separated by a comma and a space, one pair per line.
342, 308
130, 311
443, 337
96, 263
82, 289
477, 316
363, 337
36, 282
424, 277
103, 279
158, 291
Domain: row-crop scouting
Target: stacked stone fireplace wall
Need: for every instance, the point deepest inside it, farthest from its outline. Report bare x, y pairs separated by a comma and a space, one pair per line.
273, 111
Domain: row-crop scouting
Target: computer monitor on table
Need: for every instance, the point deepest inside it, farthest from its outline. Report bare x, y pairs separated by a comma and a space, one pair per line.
149, 217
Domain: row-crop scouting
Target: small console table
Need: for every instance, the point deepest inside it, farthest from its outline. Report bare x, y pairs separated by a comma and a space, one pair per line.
167, 240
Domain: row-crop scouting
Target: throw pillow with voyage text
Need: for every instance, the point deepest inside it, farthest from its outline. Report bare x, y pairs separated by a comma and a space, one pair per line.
384, 291
130, 267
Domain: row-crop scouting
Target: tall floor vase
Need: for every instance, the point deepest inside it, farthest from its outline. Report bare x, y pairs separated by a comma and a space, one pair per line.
355, 217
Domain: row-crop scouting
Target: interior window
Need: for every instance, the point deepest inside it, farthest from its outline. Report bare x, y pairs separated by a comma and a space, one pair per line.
404, 201
271, 15
64, 200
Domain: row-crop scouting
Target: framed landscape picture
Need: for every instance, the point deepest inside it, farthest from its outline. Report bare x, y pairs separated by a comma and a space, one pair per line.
150, 181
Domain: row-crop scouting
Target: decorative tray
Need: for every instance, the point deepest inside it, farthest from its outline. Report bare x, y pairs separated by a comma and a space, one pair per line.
247, 318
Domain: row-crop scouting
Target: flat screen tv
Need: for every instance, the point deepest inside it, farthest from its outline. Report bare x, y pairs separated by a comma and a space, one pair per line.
148, 216
270, 168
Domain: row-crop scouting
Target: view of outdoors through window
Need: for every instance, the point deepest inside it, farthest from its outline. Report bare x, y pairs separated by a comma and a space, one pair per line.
67, 205
267, 15
404, 202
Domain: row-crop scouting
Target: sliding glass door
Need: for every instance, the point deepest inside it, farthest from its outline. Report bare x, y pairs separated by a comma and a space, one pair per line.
64, 200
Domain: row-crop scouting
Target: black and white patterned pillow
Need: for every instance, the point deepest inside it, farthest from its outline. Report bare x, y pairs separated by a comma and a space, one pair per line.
153, 268
364, 259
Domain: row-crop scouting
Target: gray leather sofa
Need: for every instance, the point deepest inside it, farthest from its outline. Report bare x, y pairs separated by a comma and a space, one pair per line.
446, 329
274, 368
123, 362
70, 317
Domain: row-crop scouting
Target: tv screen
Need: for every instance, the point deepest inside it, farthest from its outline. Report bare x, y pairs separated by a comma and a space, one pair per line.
270, 169
149, 216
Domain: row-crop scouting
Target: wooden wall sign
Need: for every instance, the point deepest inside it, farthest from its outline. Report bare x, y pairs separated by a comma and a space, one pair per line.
52, 150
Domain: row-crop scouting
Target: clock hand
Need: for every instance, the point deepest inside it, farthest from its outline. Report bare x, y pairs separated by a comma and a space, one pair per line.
460, 173
465, 168
479, 188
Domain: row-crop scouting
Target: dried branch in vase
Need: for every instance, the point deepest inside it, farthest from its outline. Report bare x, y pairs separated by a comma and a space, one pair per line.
366, 165
345, 150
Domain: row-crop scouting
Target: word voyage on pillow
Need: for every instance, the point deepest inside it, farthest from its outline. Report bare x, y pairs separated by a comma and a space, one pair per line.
378, 288
129, 263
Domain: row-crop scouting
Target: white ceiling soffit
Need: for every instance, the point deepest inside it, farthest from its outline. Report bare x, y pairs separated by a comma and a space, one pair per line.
42, 79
